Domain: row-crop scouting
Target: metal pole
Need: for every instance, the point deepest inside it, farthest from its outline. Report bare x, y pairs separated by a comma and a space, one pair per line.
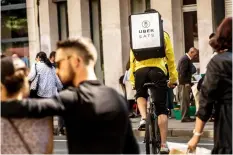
38, 21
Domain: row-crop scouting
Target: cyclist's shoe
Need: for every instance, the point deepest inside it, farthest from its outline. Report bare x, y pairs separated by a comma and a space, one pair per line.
142, 125
164, 149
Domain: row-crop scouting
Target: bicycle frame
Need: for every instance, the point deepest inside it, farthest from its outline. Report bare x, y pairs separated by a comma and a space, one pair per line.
152, 129
151, 106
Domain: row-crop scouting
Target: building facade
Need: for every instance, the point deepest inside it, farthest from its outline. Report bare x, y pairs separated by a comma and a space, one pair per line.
30, 26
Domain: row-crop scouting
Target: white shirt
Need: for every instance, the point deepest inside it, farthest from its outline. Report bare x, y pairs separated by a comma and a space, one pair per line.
49, 83
129, 90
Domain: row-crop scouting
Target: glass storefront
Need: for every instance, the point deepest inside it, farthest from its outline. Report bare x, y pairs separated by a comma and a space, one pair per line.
14, 29
190, 25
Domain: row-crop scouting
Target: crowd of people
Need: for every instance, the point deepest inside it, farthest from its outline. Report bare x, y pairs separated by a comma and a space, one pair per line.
65, 85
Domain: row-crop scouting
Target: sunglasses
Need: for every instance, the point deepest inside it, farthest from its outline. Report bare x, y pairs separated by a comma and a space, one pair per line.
58, 63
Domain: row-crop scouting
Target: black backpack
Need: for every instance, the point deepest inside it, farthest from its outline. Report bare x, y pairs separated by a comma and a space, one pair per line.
144, 29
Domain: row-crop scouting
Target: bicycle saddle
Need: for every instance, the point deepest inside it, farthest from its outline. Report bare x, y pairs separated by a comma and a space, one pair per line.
149, 85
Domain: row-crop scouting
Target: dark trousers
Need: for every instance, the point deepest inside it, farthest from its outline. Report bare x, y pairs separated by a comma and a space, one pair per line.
170, 98
184, 96
61, 124
131, 103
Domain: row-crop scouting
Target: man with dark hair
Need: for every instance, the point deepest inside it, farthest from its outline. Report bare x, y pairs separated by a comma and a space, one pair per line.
96, 116
52, 58
211, 35
186, 70
154, 70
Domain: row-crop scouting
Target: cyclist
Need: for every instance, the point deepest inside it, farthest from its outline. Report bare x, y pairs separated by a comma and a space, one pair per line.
154, 70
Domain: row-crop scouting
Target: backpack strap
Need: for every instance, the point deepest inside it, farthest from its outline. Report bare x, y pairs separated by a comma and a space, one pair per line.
20, 136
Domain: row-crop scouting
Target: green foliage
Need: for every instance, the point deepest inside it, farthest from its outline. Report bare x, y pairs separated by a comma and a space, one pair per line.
15, 23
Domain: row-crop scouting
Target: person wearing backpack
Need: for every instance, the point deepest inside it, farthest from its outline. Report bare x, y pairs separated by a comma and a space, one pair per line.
154, 70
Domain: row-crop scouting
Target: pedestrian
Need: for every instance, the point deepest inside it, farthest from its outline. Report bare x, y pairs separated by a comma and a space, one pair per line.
185, 71
216, 91
44, 81
61, 125
95, 115
21, 136
130, 93
196, 89
52, 58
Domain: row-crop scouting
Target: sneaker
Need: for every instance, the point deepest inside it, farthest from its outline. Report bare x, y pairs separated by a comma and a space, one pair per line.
142, 125
185, 120
164, 149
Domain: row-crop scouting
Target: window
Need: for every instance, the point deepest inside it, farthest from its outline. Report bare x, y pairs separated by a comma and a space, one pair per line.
14, 24
190, 29
190, 25
10, 2
14, 27
139, 6
62, 20
96, 36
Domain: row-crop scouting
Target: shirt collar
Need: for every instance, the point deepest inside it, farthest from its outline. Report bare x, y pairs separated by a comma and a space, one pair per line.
188, 56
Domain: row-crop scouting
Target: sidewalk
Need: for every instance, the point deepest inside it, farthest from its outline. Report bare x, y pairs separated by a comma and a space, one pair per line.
177, 129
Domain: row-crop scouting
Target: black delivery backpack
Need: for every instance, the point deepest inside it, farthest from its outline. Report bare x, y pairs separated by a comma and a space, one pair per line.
146, 36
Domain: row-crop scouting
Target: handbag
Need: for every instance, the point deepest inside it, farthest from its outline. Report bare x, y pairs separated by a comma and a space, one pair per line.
20, 136
33, 92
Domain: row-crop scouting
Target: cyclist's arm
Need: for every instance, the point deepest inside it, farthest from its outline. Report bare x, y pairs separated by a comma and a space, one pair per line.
132, 68
37, 108
173, 75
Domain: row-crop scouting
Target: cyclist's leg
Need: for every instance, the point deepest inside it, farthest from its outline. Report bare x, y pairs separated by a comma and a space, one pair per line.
141, 93
159, 96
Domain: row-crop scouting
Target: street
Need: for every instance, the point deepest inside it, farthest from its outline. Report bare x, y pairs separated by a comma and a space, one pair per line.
61, 148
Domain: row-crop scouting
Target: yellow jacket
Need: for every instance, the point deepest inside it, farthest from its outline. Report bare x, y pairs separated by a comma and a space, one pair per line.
156, 62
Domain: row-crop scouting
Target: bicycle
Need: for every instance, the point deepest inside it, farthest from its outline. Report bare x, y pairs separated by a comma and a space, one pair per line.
152, 134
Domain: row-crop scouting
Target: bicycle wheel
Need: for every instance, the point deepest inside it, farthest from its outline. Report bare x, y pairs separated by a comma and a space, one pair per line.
157, 137
150, 136
147, 134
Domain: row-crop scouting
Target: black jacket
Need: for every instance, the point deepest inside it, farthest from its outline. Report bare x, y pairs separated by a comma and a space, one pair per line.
96, 118
185, 70
216, 90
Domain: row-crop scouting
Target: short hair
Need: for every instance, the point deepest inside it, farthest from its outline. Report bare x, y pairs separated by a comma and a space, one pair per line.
223, 38
151, 11
193, 49
84, 47
211, 35
52, 54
